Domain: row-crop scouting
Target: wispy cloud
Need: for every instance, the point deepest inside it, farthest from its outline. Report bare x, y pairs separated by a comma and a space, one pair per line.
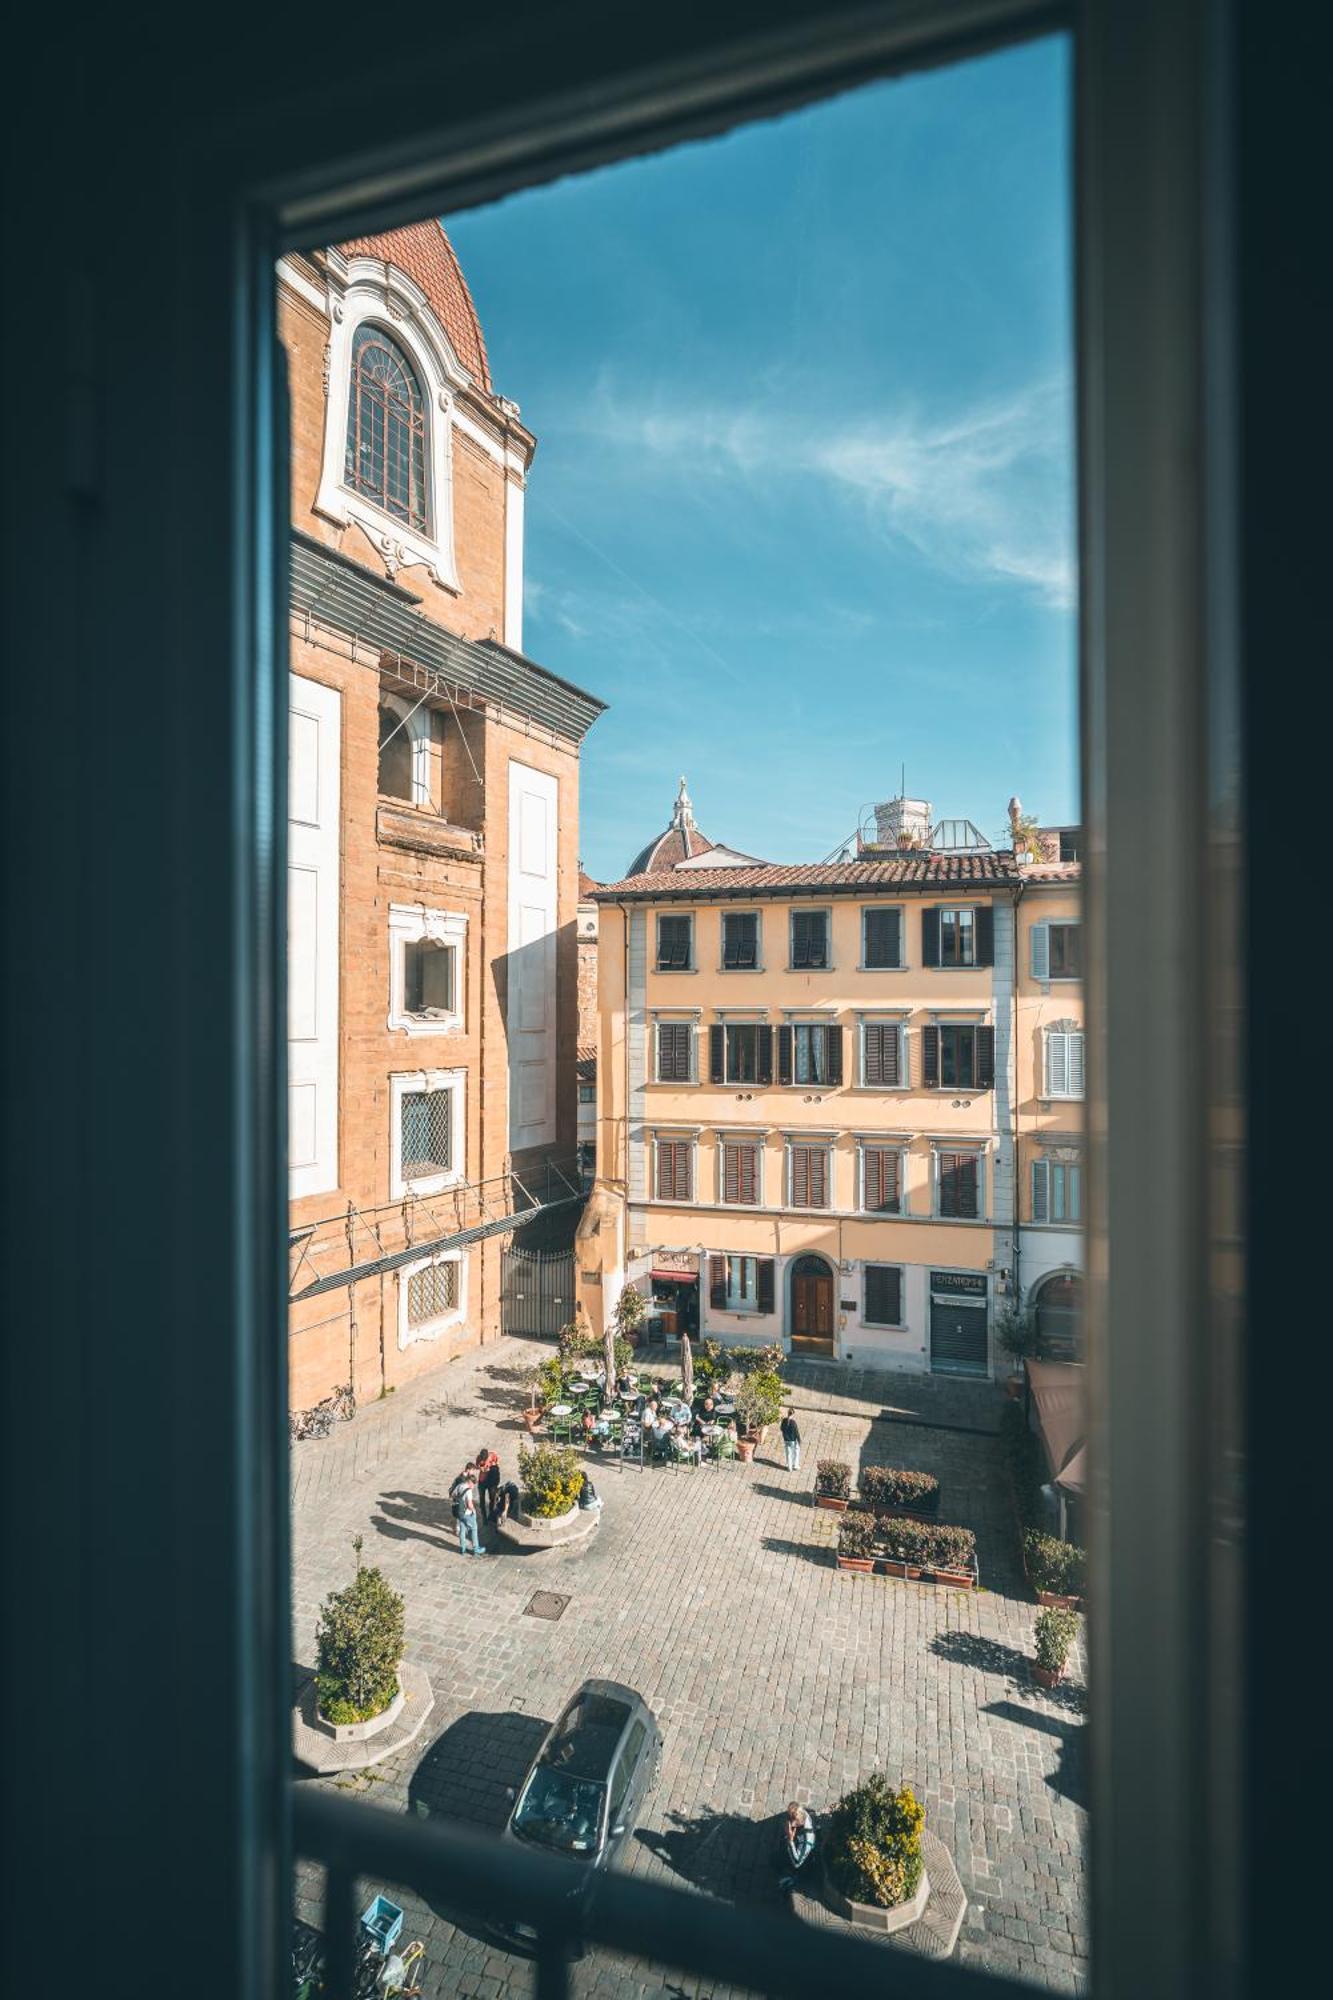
982, 493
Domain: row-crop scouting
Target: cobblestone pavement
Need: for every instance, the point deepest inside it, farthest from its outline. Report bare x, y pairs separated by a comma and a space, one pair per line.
774, 1675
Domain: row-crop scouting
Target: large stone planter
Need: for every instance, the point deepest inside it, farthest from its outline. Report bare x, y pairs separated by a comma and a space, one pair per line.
872, 1917
536, 1531
361, 1732
324, 1749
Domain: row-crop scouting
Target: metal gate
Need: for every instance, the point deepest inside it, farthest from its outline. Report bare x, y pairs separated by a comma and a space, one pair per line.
959, 1331
536, 1291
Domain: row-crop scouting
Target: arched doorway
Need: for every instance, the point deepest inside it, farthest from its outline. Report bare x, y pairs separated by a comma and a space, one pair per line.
811, 1306
1058, 1305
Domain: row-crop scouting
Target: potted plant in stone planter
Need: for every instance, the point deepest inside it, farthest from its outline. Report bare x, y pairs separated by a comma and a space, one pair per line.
1053, 1635
856, 1543
833, 1485
1016, 1333
551, 1475
358, 1651
873, 1865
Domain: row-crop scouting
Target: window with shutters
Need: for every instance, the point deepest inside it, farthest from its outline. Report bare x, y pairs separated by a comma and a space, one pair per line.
742, 1284
958, 1185
428, 1144
809, 940
958, 937
881, 940
883, 1055
1065, 951
747, 1048
1057, 1191
675, 1169
810, 1052
430, 1298
958, 1056
740, 941
1064, 1062
808, 1175
675, 1052
883, 1301
675, 944
881, 1180
742, 1173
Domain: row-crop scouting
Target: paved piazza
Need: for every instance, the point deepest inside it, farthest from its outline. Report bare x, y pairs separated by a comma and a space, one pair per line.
774, 1675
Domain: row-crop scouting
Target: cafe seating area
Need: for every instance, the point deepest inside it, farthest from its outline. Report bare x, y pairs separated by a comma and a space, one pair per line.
620, 1426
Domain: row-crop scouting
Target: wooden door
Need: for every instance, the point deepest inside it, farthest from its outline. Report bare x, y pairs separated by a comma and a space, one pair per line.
812, 1306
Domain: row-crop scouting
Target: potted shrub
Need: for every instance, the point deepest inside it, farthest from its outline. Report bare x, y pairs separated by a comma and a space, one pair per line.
758, 1404
630, 1314
915, 1548
549, 1385
1016, 1332
358, 1648
889, 1489
856, 1543
551, 1476
873, 1864
833, 1484
1053, 1635
1055, 1569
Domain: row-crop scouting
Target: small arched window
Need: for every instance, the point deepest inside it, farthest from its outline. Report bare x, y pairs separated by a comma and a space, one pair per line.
386, 428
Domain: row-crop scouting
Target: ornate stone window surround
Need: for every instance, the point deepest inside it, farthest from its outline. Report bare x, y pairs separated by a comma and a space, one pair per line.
411, 923
365, 288
431, 1329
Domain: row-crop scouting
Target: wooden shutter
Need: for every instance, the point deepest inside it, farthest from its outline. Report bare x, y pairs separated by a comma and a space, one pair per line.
800, 1177
1041, 1199
930, 1057
763, 1284
968, 1204
985, 1058
1057, 1063
985, 935
764, 1058
673, 944
739, 1158
717, 1283
716, 1053
883, 1294
784, 1055
1040, 936
673, 1051
818, 1177
879, 1180
930, 936
833, 1044
1076, 1065
882, 945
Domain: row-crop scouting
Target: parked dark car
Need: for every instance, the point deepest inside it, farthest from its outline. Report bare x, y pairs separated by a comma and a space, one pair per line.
586, 1789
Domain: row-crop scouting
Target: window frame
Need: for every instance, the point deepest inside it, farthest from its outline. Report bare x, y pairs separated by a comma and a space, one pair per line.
1046, 1166
415, 923
1054, 924
690, 1141
455, 1315
871, 909
887, 1143
753, 1142
691, 1029
1071, 1033
748, 1027
963, 1148
685, 917
367, 331
959, 910
813, 1144
815, 910
730, 916
737, 1302
869, 1264
407, 1083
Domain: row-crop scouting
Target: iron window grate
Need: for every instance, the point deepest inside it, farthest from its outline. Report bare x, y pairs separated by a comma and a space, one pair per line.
427, 1133
432, 1292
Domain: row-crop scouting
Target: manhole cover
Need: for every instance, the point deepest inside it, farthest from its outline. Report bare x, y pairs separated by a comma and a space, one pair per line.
545, 1604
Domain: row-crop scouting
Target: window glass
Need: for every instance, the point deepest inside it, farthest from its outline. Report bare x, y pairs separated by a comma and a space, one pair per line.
1066, 958
428, 977
427, 1134
810, 1050
741, 1292
958, 1058
386, 427
957, 937
743, 1054
395, 754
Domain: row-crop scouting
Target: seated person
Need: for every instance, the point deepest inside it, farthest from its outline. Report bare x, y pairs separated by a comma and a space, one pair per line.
588, 1495
798, 1843
589, 1424
624, 1383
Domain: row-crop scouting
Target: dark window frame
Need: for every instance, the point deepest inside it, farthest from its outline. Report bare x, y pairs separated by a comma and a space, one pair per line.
802, 957
738, 962
377, 416
674, 961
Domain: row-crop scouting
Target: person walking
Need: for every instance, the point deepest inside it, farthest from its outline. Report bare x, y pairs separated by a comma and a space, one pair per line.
791, 1441
798, 1843
463, 1494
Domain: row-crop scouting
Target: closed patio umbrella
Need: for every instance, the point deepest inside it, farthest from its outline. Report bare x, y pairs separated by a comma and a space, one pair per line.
609, 1356
686, 1368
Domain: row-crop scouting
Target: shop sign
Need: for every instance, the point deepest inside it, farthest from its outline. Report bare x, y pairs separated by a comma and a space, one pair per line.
958, 1284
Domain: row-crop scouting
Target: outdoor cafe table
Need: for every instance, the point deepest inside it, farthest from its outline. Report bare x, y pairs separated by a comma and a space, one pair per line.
561, 1410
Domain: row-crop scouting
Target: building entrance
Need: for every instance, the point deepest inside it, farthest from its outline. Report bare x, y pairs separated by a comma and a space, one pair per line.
811, 1306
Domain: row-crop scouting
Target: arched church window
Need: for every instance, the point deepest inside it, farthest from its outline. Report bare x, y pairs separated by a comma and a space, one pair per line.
386, 427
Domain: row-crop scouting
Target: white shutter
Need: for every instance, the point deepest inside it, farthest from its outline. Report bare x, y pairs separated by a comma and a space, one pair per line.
904, 1061
313, 846
1057, 1063
531, 1006
1041, 951
1040, 1191
1075, 1065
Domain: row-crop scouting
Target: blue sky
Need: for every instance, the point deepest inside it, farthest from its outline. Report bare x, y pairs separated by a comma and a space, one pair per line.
802, 509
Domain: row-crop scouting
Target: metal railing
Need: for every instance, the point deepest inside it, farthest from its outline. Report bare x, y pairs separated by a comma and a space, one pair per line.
492, 1881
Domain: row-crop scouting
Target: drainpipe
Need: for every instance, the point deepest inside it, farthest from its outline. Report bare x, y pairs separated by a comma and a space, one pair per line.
1013, 1016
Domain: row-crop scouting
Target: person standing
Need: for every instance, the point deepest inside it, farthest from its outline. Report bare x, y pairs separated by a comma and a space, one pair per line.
791, 1441
488, 1481
463, 1493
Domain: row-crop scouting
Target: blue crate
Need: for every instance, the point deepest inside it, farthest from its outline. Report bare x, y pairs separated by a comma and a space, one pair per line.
383, 1920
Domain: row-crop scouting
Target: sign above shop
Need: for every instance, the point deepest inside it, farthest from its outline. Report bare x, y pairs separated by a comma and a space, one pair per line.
962, 1284
676, 1260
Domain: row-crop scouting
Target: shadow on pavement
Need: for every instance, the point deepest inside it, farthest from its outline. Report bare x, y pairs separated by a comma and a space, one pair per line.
1070, 1778
722, 1854
417, 1517
814, 1552
800, 1494
970, 1649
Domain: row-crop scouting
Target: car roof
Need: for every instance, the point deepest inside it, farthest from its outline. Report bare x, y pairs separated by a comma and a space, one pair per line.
591, 1725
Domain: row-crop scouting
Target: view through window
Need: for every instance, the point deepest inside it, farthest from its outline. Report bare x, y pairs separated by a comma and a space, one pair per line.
686, 1048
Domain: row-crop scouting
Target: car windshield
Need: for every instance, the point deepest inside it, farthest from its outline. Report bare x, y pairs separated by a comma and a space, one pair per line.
560, 1811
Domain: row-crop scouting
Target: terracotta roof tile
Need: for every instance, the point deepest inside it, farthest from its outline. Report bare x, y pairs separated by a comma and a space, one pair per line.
1052, 871
923, 871
426, 254
586, 1063
587, 887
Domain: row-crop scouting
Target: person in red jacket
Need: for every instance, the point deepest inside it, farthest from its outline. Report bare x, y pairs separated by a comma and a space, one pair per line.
488, 1481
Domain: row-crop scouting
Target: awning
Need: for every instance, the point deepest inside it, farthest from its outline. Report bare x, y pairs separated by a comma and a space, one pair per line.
676, 1277
1057, 1397
1071, 1480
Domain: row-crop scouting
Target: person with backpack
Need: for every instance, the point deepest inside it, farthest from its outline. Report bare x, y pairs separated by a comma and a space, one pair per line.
463, 1494
791, 1441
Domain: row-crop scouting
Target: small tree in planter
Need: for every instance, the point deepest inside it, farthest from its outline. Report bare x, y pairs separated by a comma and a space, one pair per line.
711, 1367
1016, 1332
856, 1543
872, 1844
1055, 1569
358, 1645
757, 1360
552, 1475
759, 1402
630, 1314
1053, 1635
833, 1484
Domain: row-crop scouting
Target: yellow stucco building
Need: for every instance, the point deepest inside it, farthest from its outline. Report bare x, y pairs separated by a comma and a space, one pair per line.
814, 1084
